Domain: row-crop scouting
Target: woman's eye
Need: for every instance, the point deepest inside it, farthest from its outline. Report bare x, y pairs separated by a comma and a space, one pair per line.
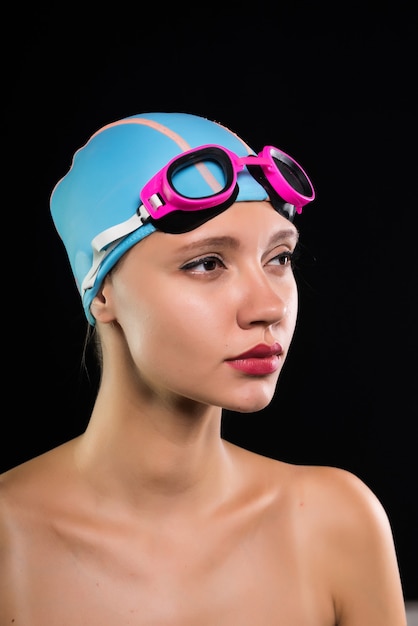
206, 264
283, 259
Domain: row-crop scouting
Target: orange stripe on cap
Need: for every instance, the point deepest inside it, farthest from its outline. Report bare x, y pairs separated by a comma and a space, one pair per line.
178, 139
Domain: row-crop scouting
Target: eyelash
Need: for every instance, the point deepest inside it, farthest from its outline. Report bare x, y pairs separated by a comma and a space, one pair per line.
192, 265
290, 256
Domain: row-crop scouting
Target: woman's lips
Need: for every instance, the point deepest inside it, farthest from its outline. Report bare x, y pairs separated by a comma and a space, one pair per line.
258, 361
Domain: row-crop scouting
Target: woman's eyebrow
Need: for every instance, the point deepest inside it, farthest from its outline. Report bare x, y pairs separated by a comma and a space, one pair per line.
284, 235
233, 243
208, 242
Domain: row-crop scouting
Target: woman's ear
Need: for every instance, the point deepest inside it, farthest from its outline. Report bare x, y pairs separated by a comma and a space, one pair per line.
101, 306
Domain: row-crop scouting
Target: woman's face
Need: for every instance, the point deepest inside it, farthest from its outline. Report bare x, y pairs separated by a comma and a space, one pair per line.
191, 306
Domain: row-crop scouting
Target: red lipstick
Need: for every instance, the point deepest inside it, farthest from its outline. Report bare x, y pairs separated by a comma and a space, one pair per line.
258, 361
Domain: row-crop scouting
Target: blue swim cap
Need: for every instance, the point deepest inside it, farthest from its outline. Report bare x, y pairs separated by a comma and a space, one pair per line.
102, 187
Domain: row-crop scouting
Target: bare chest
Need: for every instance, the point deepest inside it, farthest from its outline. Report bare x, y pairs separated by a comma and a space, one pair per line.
196, 577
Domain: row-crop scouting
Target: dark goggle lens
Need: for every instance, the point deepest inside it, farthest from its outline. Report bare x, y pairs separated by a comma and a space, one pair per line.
293, 175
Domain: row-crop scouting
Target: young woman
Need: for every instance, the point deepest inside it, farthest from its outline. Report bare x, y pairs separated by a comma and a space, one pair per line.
181, 241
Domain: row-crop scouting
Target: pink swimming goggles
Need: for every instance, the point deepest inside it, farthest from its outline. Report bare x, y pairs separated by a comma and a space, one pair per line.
194, 187
202, 182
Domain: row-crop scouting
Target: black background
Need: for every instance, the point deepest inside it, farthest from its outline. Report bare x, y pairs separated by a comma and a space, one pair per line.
332, 85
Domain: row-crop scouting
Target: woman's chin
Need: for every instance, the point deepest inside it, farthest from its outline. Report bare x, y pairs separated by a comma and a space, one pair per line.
250, 405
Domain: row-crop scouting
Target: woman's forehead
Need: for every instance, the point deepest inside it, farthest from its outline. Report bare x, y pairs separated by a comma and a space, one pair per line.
242, 223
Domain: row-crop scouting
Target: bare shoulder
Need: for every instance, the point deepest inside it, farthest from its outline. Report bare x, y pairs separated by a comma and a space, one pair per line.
331, 503
357, 545
29, 495
26, 489
349, 511
345, 497
335, 496
341, 532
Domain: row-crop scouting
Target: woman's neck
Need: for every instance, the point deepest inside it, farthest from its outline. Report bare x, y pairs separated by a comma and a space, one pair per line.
138, 447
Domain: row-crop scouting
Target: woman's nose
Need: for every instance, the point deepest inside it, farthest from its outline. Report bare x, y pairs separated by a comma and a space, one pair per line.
265, 299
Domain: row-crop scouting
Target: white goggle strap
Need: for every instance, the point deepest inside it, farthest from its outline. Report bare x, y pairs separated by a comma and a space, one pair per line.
108, 239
